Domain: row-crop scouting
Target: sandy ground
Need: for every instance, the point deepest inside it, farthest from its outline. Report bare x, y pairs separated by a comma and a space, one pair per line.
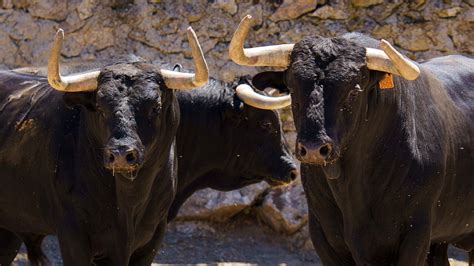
241, 242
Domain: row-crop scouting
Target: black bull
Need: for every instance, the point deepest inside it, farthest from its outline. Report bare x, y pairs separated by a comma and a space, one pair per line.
399, 172
226, 144
222, 143
55, 148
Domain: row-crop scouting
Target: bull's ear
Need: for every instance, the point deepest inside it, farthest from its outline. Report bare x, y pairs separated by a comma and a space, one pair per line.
86, 99
273, 79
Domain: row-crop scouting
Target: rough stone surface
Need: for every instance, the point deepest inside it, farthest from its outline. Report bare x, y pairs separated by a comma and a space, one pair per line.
366, 3
449, 12
228, 6
414, 38
284, 209
8, 49
49, 9
212, 205
291, 9
301, 239
329, 12
85, 8
155, 29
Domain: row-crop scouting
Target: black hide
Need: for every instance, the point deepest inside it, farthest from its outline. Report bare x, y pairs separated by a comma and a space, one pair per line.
225, 144
53, 161
405, 154
222, 143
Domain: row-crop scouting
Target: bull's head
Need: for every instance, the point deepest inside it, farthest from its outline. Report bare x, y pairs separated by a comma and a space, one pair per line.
324, 77
258, 135
130, 103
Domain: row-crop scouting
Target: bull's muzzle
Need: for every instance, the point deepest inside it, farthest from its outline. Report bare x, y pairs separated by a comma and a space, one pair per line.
315, 153
122, 159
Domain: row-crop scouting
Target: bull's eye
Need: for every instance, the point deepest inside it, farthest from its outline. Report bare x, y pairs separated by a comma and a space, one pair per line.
266, 126
155, 109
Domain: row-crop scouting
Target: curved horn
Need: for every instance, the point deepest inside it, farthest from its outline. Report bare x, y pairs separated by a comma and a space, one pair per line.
391, 61
274, 55
179, 80
71, 83
250, 97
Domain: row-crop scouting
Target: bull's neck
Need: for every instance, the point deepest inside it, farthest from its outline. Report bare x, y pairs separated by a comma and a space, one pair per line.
402, 132
198, 135
409, 115
402, 129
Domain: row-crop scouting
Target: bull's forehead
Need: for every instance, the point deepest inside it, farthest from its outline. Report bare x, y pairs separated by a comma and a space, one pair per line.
330, 59
135, 80
130, 69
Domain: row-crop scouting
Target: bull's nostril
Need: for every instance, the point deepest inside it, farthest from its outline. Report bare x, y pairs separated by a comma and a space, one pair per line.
324, 150
111, 158
293, 175
302, 151
131, 158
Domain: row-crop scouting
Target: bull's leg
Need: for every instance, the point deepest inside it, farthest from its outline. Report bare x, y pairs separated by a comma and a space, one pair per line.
144, 256
33, 247
471, 257
416, 241
438, 255
74, 243
467, 243
325, 219
329, 254
9, 246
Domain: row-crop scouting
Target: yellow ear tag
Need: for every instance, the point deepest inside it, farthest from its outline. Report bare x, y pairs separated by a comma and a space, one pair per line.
386, 82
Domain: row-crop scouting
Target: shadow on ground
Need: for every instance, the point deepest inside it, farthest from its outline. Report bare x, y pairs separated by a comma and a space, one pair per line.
242, 240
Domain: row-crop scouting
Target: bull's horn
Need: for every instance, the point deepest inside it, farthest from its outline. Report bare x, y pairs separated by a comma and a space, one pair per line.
71, 83
274, 55
179, 80
250, 97
391, 61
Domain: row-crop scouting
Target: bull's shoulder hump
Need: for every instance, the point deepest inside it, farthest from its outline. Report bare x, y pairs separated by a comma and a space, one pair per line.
452, 70
451, 63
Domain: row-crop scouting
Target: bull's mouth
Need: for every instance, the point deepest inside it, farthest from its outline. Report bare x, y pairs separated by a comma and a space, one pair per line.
277, 181
247, 180
129, 173
332, 170
273, 182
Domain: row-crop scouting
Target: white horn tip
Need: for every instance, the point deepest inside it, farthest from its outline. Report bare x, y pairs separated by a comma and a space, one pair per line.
385, 44
191, 33
60, 33
248, 17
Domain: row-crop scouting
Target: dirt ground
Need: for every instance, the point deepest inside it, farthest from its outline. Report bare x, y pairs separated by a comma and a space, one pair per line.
243, 240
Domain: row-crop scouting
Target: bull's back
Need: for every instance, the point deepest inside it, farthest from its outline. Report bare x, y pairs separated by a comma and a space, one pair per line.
456, 73
27, 108
28, 148
453, 210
